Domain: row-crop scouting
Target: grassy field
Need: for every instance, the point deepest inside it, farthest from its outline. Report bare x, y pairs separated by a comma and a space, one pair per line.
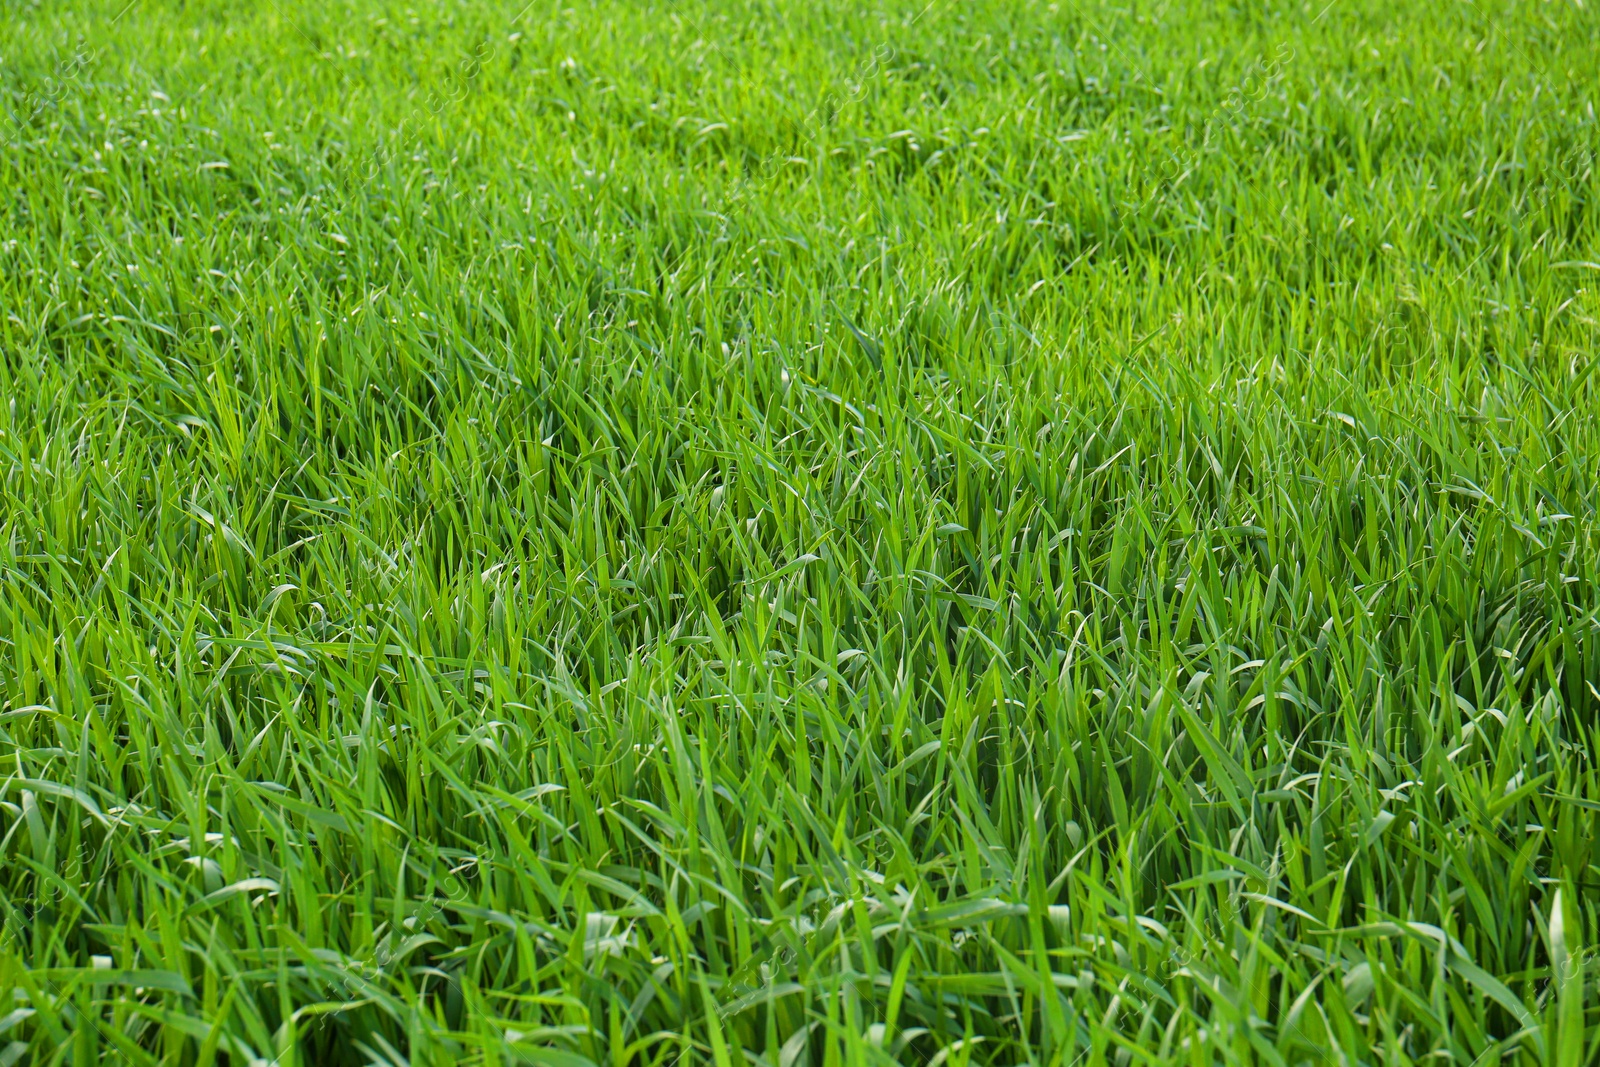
799, 532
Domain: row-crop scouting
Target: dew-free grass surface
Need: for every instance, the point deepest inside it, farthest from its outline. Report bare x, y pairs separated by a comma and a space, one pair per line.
799, 532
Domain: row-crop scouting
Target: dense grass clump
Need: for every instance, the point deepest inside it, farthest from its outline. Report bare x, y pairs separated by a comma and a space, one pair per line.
799, 532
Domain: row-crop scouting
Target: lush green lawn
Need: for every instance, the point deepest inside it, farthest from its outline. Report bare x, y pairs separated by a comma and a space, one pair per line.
799, 531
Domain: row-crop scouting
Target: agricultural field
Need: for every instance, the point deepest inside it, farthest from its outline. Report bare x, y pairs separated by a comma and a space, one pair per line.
799, 533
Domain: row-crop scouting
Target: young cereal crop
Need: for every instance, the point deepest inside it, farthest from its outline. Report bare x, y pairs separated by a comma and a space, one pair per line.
799, 532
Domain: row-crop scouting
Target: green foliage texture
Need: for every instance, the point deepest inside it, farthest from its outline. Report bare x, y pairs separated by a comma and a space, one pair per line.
800, 533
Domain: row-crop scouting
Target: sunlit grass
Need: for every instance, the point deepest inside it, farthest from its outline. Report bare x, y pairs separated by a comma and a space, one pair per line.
799, 533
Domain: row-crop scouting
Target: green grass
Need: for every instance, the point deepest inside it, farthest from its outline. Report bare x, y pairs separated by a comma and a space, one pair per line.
799, 532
